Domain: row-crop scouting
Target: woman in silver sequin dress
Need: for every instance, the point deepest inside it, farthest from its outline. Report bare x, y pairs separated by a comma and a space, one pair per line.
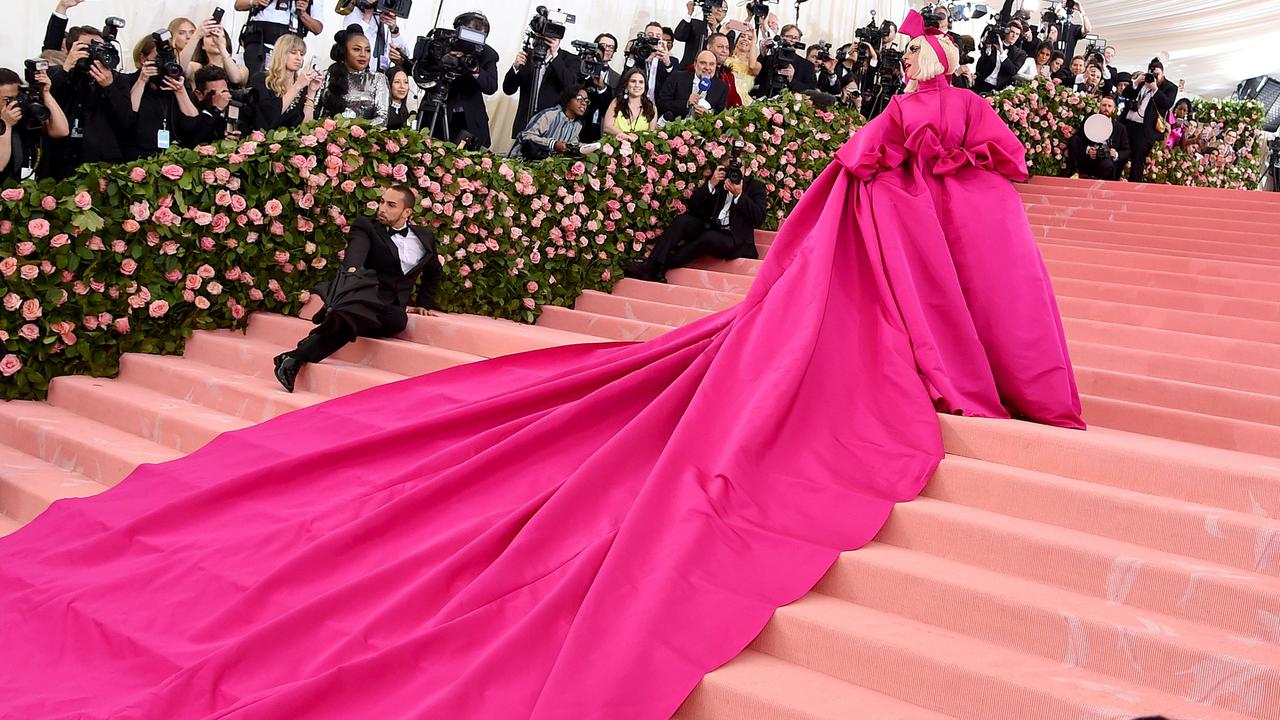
352, 88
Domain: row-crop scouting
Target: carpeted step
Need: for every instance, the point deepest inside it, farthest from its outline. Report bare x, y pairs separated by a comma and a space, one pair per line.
163, 419
1154, 260
756, 686
605, 327
1199, 302
1201, 234
1052, 200
253, 398
487, 337
1173, 196
710, 280
1155, 364
60, 437
713, 300
1184, 425
635, 309
1182, 282
737, 266
1198, 323
28, 485
8, 525
1174, 342
1109, 240
1180, 395
945, 670
233, 351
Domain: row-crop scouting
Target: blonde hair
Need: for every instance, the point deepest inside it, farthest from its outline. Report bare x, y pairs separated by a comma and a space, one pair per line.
928, 66
278, 80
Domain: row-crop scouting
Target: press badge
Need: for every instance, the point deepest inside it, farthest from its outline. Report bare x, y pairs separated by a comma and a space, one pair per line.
162, 139
76, 132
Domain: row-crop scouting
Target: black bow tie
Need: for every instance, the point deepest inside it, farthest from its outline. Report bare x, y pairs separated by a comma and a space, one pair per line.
402, 232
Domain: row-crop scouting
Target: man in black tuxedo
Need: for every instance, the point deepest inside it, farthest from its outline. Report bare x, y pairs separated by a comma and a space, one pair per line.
721, 221
1000, 61
693, 32
399, 253
465, 104
600, 89
1150, 99
656, 63
680, 95
559, 72
1084, 157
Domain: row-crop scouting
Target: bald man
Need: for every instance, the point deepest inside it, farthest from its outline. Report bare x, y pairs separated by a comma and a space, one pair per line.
694, 94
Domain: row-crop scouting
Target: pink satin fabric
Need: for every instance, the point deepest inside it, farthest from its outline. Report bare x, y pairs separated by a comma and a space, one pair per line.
577, 533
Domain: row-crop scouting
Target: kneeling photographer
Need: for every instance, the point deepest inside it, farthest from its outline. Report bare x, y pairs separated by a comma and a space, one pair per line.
164, 113
28, 114
95, 99
456, 69
721, 221
782, 67
1100, 146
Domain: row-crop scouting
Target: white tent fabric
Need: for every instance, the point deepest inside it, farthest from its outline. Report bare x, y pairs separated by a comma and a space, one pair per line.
1210, 45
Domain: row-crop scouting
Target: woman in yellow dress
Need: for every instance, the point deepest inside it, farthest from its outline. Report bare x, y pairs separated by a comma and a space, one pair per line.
745, 65
631, 112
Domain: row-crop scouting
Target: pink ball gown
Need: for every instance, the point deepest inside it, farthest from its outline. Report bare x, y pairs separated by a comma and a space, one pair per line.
576, 533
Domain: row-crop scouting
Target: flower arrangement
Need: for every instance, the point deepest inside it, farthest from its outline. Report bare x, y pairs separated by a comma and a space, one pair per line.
135, 257
1044, 115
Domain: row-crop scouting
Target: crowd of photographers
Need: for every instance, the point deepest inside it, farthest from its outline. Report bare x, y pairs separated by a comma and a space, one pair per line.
194, 83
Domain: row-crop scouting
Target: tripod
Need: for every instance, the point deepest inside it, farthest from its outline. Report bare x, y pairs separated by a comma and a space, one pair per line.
432, 115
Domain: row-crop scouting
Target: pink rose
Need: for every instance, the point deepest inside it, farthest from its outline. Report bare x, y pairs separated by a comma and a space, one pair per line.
38, 227
8, 266
357, 131
24, 248
238, 203
237, 311
130, 226
10, 365
220, 223
529, 303
122, 325
128, 266
31, 309
173, 172
12, 301
137, 174
158, 309
49, 203
29, 332
206, 271
118, 246
202, 302
29, 272
83, 200
273, 207
532, 287
59, 240
214, 288
90, 322
193, 282
173, 275
13, 194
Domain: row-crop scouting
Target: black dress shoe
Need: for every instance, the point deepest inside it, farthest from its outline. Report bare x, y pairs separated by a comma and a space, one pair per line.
287, 367
638, 269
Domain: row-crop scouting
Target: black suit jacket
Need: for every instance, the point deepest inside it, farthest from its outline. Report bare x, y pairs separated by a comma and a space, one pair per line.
673, 98
561, 73
1119, 142
693, 33
805, 77
593, 122
369, 245
1161, 103
105, 114
746, 216
1008, 69
55, 33
468, 94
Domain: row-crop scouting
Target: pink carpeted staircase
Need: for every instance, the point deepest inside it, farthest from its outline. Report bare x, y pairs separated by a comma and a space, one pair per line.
1130, 570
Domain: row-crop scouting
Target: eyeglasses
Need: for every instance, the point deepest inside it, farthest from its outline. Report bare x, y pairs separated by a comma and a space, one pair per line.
581, 98
605, 47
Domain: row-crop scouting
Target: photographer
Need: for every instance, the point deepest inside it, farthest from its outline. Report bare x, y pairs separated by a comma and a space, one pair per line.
721, 221
269, 20
465, 102
781, 67
1072, 31
600, 86
1093, 160
691, 94
1150, 100
352, 89
96, 101
21, 128
286, 93
650, 53
213, 98
55, 35
163, 111
554, 131
693, 32
1001, 58
558, 72
824, 64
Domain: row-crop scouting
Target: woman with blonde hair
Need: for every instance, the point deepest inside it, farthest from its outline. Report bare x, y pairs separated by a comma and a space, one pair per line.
286, 89
744, 63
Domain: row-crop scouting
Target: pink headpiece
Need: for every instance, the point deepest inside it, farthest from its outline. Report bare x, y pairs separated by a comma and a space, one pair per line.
913, 27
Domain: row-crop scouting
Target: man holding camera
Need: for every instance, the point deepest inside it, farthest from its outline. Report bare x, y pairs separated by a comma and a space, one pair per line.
465, 103
213, 98
600, 86
693, 32
95, 99
402, 255
650, 52
556, 73
1099, 160
721, 221
693, 94
269, 20
27, 115
1150, 101
782, 67
1001, 58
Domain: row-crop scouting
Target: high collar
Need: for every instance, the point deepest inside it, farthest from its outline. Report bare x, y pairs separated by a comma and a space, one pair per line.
934, 84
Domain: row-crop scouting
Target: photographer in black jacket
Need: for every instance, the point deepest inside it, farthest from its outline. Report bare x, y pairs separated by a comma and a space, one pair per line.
1001, 59
95, 99
559, 72
164, 113
28, 115
783, 66
465, 104
693, 32
721, 221
1150, 100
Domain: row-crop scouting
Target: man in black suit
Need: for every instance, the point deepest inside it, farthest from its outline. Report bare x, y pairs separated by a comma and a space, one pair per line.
693, 32
465, 105
600, 89
96, 102
1000, 61
681, 94
399, 253
785, 69
721, 221
1084, 156
656, 62
1150, 99
558, 72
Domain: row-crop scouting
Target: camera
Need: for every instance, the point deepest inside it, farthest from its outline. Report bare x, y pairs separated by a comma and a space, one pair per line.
544, 26
103, 51
444, 55
643, 47
166, 62
872, 33
1148, 77
401, 8
758, 9
930, 14
708, 5
824, 50
30, 98
590, 60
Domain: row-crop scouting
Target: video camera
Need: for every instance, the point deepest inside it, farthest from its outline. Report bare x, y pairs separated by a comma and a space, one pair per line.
104, 50
708, 5
759, 9
544, 26
824, 50
590, 60
930, 14
401, 8
1093, 51
445, 54
166, 61
873, 33
643, 47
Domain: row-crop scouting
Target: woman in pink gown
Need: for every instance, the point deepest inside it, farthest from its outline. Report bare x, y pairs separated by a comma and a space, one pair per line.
577, 533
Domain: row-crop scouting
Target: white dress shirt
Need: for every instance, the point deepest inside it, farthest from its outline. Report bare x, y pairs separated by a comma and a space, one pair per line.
1001, 54
722, 219
371, 29
1144, 97
409, 247
270, 14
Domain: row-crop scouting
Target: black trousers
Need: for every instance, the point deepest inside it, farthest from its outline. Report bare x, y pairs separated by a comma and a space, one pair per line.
688, 238
1141, 142
1078, 161
331, 335
259, 38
